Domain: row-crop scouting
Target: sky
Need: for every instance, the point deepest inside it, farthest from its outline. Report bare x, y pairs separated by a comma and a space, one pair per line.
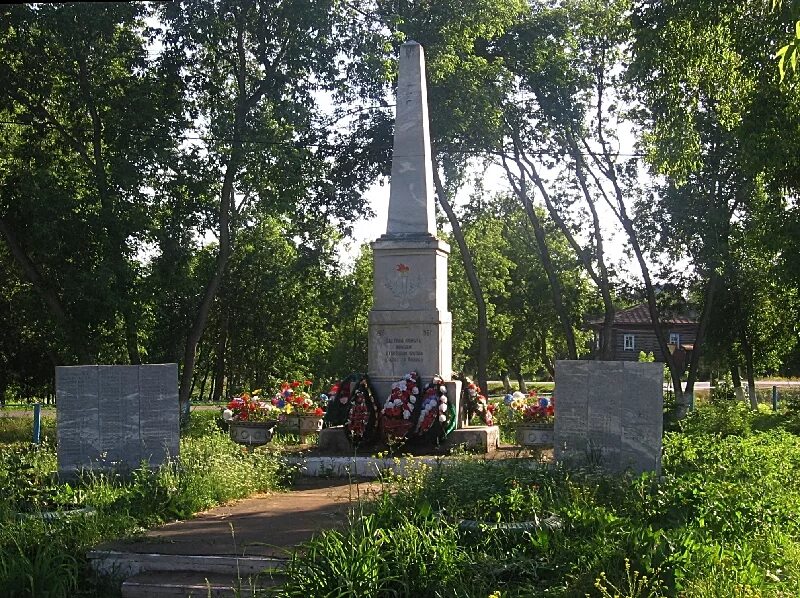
494, 181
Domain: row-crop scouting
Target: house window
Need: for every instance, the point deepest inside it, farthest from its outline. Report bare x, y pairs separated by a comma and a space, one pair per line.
629, 342
675, 339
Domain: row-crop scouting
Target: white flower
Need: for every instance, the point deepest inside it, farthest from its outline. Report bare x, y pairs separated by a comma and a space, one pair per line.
227, 415
472, 392
443, 390
412, 400
518, 395
402, 385
406, 414
415, 391
443, 407
398, 402
395, 385
442, 418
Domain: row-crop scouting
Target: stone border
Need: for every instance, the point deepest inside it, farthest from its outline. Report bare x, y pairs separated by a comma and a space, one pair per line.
374, 467
126, 564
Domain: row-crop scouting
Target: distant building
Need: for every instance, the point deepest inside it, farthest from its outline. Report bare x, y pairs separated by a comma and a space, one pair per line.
633, 332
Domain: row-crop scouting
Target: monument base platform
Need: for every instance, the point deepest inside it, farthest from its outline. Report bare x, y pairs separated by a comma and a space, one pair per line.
477, 439
481, 439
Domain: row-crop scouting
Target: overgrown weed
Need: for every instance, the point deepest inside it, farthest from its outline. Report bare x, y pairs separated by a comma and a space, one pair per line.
721, 520
46, 558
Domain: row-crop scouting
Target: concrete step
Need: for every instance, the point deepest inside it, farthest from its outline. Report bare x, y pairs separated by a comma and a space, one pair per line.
197, 584
123, 565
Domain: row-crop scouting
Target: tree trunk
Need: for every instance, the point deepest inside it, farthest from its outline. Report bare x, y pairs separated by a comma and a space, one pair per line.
244, 103
203, 383
705, 317
549, 364
599, 275
747, 349
223, 256
472, 276
219, 364
555, 283
506, 383
521, 192
736, 377
132, 339
523, 388
681, 402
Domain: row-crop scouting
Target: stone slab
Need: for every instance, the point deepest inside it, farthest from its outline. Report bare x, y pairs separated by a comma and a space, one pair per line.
609, 414
116, 417
482, 439
333, 439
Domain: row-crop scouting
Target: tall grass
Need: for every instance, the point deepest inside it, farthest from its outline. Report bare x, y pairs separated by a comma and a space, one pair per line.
722, 520
46, 557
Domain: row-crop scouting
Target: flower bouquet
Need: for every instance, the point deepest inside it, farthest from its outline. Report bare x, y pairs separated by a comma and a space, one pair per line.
397, 419
436, 415
536, 427
301, 413
476, 403
362, 418
250, 420
250, 407
541, 411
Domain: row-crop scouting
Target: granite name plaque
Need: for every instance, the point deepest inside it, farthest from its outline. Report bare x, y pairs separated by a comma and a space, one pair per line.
115, 417
609, 414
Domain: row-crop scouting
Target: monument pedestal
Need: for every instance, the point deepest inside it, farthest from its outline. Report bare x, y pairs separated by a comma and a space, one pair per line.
410, 328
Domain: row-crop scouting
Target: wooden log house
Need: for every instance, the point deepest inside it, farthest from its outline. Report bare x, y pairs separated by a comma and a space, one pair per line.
633, 332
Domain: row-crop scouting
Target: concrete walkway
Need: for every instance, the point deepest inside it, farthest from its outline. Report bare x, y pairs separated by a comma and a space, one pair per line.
212, 552
262, 525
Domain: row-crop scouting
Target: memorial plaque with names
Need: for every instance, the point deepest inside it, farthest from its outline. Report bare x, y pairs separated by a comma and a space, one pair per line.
116, 417
610, 414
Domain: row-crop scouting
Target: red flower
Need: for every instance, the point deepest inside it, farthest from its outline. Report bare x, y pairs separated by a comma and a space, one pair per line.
403, 268
319, 412
307, 383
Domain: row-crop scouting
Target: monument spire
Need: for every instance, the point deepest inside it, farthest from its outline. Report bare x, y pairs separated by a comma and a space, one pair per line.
411, 204
410, 328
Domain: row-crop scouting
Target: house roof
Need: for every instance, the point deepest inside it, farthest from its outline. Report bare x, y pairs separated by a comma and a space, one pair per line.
639, 315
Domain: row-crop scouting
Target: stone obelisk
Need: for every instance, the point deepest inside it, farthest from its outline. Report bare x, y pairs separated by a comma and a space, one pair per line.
409, 325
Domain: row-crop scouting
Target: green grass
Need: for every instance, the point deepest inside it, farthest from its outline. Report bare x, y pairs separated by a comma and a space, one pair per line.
46, 558
722, 520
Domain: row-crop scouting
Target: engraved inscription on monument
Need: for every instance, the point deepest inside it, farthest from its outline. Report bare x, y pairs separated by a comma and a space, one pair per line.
401, 349
609, 413
116, 417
